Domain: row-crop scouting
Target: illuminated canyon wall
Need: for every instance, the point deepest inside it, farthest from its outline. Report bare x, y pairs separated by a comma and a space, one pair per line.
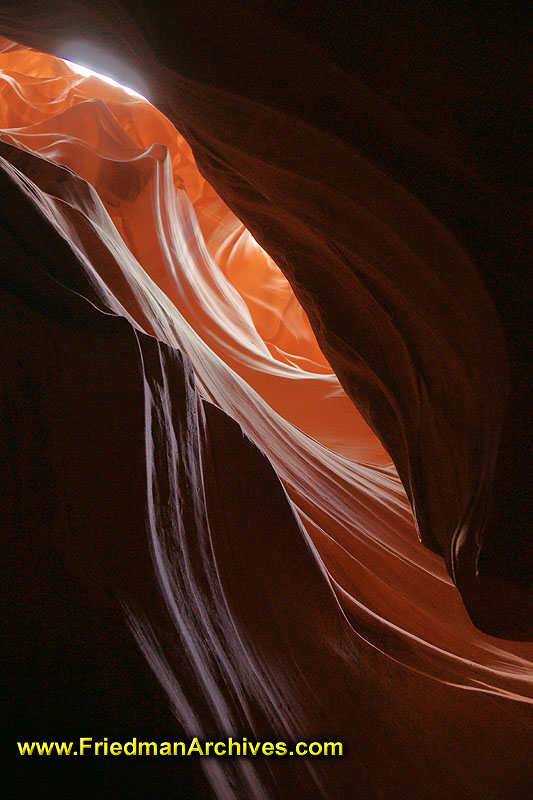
155, 354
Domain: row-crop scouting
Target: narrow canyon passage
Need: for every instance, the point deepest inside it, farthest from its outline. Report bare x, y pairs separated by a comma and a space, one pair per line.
222, 501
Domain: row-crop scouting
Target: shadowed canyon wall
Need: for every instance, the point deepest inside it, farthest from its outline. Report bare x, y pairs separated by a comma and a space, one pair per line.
153, 344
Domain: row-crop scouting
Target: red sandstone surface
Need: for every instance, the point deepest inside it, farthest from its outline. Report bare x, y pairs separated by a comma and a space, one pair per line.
267, 478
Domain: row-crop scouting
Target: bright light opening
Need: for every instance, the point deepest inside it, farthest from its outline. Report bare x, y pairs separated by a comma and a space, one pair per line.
86, 72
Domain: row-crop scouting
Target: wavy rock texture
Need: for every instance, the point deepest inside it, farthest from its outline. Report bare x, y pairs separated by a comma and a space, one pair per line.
152, 506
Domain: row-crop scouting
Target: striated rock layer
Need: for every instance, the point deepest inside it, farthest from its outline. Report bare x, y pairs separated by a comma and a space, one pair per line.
140, 517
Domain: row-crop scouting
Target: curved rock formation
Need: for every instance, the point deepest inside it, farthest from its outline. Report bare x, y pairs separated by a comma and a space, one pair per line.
163, 511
